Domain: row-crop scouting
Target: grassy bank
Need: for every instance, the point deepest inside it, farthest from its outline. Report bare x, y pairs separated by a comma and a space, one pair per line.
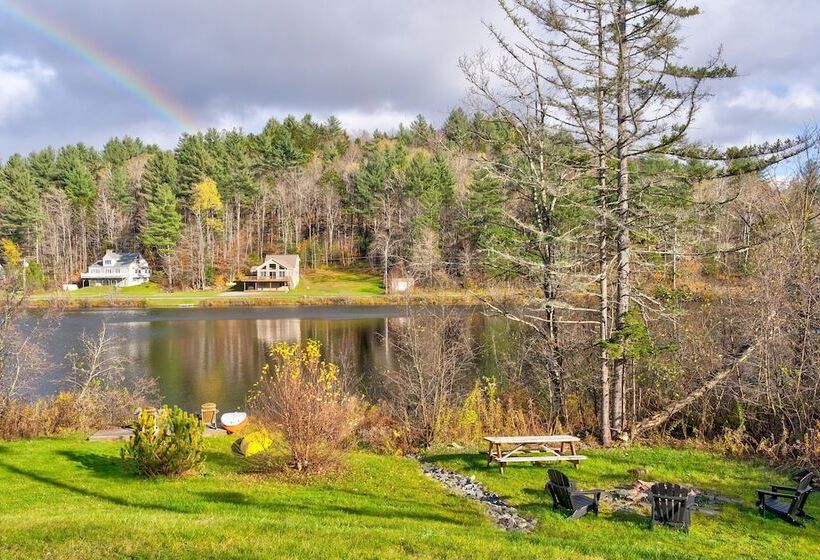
317, 287
68, 498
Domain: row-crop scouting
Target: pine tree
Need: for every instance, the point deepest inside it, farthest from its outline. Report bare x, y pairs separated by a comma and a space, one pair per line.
19, 202
119, 188
421, 131
160, 171
456, 129
164, 227
43, 165
275, 150
194, 163
78, 183
484, 223
118, 151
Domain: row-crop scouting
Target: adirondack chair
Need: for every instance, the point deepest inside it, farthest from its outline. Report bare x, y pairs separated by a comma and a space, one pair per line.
566, 495
798, 476
671, 505
787, 502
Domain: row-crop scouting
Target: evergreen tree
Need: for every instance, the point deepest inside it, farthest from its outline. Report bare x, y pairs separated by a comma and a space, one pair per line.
119, 187
118, 151
382, 168
421, 131
336, 141
456, 129
160, 171
19, 202
237, 181
194, 163
77, 182
164, 223
43, 165
275, 150
484, 219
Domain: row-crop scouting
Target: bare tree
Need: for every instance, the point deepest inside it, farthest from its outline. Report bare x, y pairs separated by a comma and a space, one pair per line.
22, 338
97, 364
433, 355
100, 382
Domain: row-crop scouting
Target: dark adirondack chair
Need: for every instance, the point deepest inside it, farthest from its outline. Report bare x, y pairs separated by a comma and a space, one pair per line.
566, 495
671, 505
798, 476
787, 502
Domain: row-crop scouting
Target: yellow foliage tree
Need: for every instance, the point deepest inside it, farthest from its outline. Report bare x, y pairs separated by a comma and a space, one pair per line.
206, 205
11, 253
206, 197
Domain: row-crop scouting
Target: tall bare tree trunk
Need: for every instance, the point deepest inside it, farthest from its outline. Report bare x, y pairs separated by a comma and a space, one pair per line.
603, 238
623, 288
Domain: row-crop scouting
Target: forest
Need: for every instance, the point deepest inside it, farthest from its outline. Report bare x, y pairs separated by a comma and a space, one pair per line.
668, 286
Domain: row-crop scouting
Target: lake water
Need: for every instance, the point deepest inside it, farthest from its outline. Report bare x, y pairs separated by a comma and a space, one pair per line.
201, 355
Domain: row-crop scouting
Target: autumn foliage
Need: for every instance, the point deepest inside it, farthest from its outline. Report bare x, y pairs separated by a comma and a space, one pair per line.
299, 395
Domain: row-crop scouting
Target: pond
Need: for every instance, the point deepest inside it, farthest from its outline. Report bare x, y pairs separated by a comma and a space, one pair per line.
201, 355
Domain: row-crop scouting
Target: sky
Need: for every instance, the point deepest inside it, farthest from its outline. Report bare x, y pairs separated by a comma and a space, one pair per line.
87, 70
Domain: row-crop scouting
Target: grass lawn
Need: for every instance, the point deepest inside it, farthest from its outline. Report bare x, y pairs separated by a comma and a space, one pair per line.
149, 292
336, 282
737, 531
68, 498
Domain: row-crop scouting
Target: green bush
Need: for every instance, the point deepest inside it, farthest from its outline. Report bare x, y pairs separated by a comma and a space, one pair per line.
168, 442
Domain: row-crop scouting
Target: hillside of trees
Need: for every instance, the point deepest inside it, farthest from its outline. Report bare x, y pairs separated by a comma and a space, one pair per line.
208, 209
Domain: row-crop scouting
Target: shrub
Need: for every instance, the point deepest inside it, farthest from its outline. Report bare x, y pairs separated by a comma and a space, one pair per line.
299, 395
381, 432
489, 409
44, 417
169, 442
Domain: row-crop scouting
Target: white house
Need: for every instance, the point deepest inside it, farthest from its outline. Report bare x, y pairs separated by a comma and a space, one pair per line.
117, 269
277, 272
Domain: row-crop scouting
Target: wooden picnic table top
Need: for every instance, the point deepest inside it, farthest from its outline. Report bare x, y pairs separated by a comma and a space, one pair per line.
531, 439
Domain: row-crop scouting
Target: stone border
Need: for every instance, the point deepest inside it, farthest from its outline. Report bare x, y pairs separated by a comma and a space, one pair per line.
503, 515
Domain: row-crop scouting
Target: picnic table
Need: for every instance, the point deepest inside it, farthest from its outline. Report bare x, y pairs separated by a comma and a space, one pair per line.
532, 449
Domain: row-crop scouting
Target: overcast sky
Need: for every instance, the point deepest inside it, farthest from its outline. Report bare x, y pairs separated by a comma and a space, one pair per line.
373, 63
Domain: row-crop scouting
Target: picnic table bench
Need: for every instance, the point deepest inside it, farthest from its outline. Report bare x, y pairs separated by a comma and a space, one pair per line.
532, 449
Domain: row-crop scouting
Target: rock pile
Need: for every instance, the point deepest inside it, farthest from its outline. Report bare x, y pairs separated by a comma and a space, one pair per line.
503, 515
633, 498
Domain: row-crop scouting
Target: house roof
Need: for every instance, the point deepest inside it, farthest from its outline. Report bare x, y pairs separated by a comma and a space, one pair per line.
291, 262
119, 258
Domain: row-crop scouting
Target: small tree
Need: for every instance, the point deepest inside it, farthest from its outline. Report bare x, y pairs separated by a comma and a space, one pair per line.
166, 443
104, 394
22, 339
433, 360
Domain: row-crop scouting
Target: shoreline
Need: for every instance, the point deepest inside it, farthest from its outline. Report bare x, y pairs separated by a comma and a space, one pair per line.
282, 300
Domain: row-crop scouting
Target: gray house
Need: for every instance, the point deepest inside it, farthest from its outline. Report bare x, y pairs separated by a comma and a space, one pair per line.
277, 272
117, 269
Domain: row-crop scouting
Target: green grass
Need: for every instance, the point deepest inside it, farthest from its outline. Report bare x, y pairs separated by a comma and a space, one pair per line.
736, 532
318, 283
67, 498
335, 282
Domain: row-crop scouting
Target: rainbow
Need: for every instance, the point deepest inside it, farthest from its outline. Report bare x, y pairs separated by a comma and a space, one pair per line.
117, 70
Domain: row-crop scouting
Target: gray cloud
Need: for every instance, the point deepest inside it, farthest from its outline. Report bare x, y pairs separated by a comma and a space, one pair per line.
374, 63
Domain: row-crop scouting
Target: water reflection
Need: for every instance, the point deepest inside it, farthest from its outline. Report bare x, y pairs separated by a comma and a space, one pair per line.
216, 355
